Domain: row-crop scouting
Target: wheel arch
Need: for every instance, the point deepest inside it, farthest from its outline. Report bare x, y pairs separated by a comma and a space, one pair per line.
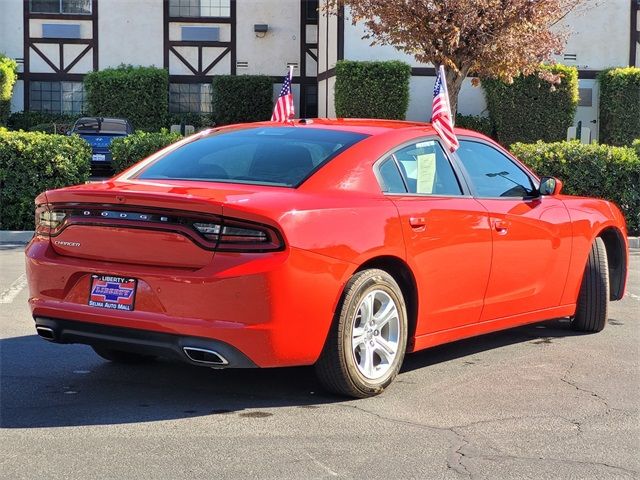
403, 275
617, 259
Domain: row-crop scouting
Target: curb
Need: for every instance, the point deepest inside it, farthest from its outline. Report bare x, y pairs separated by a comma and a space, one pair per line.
15, 237
22, 237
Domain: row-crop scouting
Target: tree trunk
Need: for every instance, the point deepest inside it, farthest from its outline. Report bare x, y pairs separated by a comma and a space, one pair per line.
454, 84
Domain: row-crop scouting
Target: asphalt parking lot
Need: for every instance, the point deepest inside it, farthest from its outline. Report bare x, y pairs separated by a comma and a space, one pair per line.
534, 402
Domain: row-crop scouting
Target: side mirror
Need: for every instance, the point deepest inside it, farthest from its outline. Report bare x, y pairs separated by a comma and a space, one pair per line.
550, 186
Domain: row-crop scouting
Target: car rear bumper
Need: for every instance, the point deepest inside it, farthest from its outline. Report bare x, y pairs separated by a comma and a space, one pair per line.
144, 342
275, 309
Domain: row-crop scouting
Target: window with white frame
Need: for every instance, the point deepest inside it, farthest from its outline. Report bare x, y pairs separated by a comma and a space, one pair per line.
56, 97
190, 98
75, 7
199, 8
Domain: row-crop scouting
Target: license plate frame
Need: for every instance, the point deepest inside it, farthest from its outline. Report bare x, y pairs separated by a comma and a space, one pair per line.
112, 292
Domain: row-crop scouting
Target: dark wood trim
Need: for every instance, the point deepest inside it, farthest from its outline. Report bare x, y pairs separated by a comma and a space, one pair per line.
234, 28
340, 52
184, 60
94, 34
60, 16
327, 74
226, 20
56, 77
216, 61
26, 53
311, 54
634, 35
45, 58
198, 43
423, 72
165, 33
588, 74
76, 60
62, 41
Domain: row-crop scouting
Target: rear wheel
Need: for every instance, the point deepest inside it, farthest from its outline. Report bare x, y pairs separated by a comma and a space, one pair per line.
367, 342
593, 299
120, 356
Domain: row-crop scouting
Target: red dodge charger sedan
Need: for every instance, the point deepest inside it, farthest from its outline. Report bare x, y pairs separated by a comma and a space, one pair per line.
339, 243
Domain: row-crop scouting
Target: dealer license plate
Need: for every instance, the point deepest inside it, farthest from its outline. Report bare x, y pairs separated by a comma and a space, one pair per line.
114, 293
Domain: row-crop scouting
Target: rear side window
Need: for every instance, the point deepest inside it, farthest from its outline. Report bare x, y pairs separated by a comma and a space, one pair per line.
283, 156
424, 169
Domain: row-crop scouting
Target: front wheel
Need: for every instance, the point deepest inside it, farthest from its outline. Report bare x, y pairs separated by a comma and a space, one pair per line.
593, 299
367, 342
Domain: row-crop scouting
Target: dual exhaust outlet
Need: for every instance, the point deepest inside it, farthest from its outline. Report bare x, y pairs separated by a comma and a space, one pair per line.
201, 356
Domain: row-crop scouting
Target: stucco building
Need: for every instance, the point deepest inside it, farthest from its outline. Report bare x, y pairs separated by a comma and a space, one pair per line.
58, 41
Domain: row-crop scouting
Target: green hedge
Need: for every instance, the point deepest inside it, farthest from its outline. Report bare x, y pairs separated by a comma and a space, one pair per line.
476, 123
139, 94
42, 121
242, 98
130, 150
590, 170
32, 162
198, 120
8, 77
532, 109
372, 89
619, 105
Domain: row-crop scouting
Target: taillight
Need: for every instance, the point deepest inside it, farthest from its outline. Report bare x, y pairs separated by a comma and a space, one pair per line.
48, 220
237, 236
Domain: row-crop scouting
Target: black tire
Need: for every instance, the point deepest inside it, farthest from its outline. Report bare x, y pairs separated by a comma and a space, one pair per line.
593, 299
337, 368
120, 356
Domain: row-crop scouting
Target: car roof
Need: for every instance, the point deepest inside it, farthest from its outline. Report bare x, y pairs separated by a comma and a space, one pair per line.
367, 126
102, 119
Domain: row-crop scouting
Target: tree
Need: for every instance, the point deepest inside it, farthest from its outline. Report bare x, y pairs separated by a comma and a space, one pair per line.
486, 38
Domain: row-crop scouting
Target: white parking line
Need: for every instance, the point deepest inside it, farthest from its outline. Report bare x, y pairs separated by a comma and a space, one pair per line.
14, 289
637, 297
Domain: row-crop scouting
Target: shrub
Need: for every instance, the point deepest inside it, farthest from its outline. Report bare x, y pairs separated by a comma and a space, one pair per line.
476, 123
61, 122
138, 94
591, 170
8, 77
243, 98
619, 105
636, 145
531, 108
130, 150
372, 89
32, 162
198, 120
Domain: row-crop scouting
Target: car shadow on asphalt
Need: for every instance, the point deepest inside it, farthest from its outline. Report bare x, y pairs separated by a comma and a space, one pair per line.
48, 385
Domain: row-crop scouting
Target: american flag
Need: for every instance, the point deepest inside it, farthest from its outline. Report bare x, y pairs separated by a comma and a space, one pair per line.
441, 112
284, 110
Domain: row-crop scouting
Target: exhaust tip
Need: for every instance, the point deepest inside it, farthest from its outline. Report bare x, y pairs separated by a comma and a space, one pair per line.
46, 332
204, 356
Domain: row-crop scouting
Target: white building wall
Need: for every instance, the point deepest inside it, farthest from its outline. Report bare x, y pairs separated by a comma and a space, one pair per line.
11, 31
598, 34
130, 32
268, 54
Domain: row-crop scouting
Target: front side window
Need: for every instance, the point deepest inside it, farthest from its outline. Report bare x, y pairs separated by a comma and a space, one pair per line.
283, 156
424, 168
81, 7
199, 8
492, 173
56, 97
190, 98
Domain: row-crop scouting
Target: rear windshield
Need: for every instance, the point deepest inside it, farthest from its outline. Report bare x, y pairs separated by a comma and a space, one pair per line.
283, 156
97, 126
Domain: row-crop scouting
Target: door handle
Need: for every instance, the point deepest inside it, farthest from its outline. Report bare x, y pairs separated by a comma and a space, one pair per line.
419, 224
501, 226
